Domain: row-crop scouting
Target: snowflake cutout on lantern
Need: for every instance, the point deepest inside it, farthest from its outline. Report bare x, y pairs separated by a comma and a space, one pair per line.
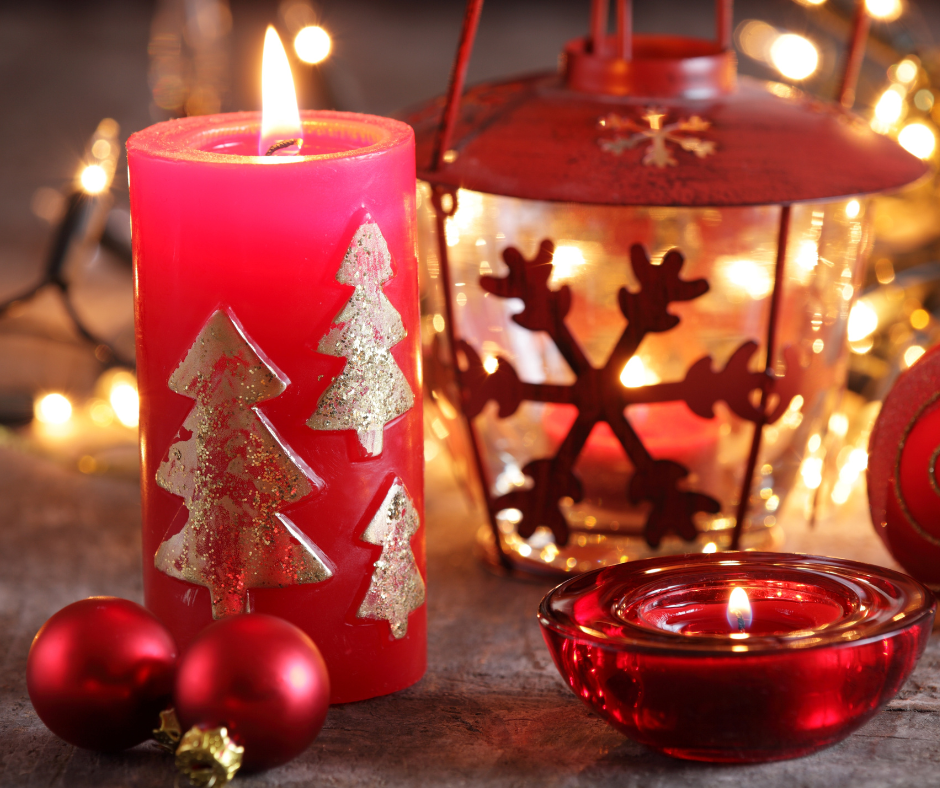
599, 395
658, 153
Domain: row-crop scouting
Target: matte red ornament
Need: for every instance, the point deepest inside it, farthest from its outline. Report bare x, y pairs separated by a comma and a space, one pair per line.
262, 679
903, 490
99, 673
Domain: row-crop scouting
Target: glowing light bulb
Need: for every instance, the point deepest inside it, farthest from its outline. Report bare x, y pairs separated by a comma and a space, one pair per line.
312, 44
490, 364
126, 404
863, 321
739, 610
711, 547
794, 56
906, 71
884, 10
839, 424
53, 409
811, 471
280, 118
917, 138
94, 179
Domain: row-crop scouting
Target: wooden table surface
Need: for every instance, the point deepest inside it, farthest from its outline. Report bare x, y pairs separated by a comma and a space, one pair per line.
491, 711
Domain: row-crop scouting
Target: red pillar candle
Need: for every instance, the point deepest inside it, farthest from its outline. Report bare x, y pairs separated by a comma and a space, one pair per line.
277, 349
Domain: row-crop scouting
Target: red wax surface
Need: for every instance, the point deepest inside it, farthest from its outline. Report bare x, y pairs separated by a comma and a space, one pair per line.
264, 237
649, 647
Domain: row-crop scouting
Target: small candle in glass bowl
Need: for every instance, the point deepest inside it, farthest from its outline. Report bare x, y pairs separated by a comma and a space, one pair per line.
739, 657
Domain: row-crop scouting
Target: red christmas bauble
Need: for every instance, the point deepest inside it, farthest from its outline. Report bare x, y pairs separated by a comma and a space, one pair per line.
99, 673
262, 679
903, 478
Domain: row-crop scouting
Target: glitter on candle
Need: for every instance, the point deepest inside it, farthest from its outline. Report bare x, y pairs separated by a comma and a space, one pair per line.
396, 588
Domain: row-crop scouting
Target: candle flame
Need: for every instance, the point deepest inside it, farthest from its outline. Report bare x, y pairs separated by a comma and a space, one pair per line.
280, 119
739, 610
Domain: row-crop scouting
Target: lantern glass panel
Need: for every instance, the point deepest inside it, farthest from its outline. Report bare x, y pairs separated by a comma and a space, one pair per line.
734, 250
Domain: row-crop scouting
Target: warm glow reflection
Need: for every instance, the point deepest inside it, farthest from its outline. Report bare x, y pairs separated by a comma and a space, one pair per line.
807, 255
751, 277
126, 404
53, 409
884, 10
490, 364
811, 471
890, 106
911, 355
917, 138
565, 263
711, 547
794, 56
94, 179
852, 207
863, 321
280, 119
739, 610
312, 44
636, 374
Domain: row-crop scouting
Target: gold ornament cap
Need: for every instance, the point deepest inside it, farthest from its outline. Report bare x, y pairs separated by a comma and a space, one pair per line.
169, 733
209, 758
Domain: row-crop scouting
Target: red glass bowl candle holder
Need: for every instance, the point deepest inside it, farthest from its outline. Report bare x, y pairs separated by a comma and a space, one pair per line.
651, 647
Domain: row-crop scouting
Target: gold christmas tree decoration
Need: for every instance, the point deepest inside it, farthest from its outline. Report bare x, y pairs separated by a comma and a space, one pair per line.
234, 474
371, 390
396, 587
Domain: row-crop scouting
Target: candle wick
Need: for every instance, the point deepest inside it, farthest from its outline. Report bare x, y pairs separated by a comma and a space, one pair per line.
281, 144
740, 617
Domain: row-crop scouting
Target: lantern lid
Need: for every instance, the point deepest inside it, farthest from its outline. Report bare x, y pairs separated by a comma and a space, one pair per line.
759, 143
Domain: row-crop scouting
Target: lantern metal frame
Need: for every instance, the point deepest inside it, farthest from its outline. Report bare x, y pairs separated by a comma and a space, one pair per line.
649, 67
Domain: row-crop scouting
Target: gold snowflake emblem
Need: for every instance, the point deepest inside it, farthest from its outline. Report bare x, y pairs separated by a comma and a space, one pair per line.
658, 134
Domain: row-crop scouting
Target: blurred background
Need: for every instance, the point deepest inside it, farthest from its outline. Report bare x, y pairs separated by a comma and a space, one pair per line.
79, 76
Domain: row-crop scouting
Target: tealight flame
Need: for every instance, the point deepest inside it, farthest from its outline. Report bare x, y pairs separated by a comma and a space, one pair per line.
739, 610
280, 118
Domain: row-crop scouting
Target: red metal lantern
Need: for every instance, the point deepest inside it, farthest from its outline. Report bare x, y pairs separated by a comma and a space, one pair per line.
662, 332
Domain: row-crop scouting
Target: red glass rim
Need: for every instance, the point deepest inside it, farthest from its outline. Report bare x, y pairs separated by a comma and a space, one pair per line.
876, 602
228, 138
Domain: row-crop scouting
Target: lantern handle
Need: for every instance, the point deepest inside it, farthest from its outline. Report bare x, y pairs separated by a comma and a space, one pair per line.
458, 76
856, 54
597, 41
